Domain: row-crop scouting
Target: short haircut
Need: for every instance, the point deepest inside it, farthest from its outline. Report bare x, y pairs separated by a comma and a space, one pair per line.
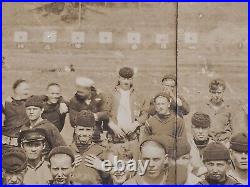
17, 83
154, 144
53, 84
123, 151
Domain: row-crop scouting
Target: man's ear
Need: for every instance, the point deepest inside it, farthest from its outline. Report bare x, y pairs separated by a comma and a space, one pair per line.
44, 145
166, 159
49, 165
42, 110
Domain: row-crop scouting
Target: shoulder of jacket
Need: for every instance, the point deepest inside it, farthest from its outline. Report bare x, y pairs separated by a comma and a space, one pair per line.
7, 100
232, 180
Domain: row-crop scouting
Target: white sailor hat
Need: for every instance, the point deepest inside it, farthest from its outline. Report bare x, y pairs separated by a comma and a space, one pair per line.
84, 82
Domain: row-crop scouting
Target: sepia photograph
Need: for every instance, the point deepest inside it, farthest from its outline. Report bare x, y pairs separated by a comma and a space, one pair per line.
124, 93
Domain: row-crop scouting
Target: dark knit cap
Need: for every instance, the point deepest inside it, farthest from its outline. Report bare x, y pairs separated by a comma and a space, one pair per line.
163, 94
239, 143
14, 160
215, 84
126, 72
35, 100
169, 76
85, 118
201, 120
62, 150
215, 151
179, 147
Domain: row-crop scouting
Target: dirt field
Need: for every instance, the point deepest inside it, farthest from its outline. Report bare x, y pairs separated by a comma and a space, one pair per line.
220, 49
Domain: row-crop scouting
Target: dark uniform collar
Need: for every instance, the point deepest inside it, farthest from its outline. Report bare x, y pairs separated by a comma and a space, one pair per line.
40, 163
210, 181
51, 182
77, 147
201, 144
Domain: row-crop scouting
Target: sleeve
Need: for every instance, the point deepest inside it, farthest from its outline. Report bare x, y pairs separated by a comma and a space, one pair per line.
57, 139
105, 106
144, 111
180, 130
185, 109
239, 122
73, 110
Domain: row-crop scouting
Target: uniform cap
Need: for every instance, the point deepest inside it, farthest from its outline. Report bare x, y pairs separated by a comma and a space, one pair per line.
32, 135
215, 151
14, 160
201, 120
84, 82
126, 72
85, 118
35, 100
239, 142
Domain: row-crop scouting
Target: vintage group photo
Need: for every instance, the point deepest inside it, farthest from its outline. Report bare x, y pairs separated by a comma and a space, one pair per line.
132, 93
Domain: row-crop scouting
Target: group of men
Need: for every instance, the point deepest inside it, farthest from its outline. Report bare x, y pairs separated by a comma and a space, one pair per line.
211, 148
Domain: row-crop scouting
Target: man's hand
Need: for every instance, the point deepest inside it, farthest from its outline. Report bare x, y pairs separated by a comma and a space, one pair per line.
93, 162
63, 108
78, 160
117, 130
133, 126
179, 102
96, 117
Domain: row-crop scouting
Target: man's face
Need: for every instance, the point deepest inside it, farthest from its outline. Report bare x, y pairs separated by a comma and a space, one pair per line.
200, 134
61, 168
118, 177
84, 92
183, 160
157, 160
34, 112
217, 96
168, 85
33, 149
162, 105
14, 178
53, 94
181, 165
84, 134
125, 83
240, 160
217, 169
23, 90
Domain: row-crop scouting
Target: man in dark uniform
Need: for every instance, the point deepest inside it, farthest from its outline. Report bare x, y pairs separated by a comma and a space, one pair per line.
198, 140
216, 158
55, 107
14, 114
33, 141
239, 155
178, 103
34, 110
83, 146
88, 98
180, 168
61, 164
14, 165
226, 118
164, 122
